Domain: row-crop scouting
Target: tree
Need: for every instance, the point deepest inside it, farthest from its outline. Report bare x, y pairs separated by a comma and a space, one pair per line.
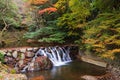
8, 16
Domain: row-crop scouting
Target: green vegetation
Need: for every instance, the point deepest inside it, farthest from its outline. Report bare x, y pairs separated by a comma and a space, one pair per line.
1, 57
92, 24
8, 14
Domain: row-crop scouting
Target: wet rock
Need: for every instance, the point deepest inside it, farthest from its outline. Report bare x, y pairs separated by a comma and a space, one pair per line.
43, 62
20, 63
31, 67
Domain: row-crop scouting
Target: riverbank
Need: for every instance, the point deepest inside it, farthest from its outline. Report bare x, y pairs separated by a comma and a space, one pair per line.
112, 72
7, 73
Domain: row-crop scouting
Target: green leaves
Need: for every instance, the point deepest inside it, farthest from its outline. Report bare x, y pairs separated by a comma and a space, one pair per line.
103, 5
9, 13
47, 34
1, 57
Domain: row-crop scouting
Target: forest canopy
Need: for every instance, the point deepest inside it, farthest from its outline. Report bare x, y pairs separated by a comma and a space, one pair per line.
92, 24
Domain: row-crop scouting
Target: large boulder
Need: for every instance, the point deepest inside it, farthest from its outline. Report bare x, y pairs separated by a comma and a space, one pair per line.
40, 63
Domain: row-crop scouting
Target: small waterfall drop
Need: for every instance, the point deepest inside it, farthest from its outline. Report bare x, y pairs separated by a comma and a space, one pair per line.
57, 55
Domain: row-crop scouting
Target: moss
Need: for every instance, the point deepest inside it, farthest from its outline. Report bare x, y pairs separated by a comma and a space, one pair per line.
13, 71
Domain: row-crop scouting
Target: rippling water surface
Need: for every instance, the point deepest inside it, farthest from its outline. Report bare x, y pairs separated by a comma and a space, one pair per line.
71, 71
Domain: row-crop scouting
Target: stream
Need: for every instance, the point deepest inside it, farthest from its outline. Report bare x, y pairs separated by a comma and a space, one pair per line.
70, 71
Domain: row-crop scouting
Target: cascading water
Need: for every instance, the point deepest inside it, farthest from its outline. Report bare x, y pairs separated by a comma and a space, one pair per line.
57, 55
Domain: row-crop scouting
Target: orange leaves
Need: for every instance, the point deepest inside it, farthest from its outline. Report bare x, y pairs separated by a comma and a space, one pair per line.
49, 10
38, 2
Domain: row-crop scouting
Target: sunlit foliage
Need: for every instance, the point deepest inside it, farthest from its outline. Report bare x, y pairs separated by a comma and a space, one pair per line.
103, 34
93, 24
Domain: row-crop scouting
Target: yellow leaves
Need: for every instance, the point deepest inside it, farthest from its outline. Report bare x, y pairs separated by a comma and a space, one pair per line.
92, 31
90, 41
103, 27
112, 40
99, 45
110, 53
115, 51
117, 42
61, 5
80, 25
100, 50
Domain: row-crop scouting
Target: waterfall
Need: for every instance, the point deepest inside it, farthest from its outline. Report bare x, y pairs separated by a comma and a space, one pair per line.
57, 55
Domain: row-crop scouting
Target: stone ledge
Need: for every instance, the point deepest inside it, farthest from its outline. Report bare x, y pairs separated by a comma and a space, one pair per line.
93, 61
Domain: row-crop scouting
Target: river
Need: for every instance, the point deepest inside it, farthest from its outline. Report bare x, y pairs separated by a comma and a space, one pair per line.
71, 71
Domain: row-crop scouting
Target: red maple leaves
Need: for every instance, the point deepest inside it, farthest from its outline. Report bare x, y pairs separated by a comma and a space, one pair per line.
48, 10
38, 2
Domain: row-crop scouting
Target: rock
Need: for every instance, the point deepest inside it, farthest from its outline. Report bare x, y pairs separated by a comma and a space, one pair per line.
8, 54
88, 77
29, 54
43, 62
39, 63
35, 50
15, 54
22, 56
29, 49
23, 50
10, 61
31, 67
20, 63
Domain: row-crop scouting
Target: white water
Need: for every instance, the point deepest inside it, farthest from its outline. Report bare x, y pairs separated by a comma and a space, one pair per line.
57, 55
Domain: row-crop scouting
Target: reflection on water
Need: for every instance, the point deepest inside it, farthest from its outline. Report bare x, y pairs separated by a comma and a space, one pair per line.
71, 71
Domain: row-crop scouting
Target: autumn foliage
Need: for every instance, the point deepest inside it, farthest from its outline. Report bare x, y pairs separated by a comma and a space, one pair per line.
49, 10
38, 2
